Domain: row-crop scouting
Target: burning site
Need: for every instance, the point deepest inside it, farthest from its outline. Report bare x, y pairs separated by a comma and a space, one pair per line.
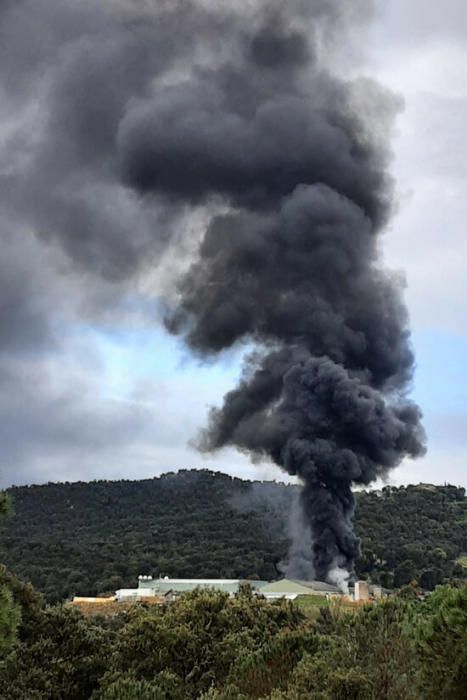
230, 239
290, 164
228, 160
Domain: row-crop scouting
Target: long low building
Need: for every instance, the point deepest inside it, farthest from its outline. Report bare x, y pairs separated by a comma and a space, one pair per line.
162, 589
166, 587
149, 586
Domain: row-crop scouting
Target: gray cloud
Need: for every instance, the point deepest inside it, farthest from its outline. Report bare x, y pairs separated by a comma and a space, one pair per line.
423, 21
55, 425
82, 99
25, 296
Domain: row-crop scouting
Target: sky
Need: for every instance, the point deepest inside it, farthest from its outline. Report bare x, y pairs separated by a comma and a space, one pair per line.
419, 49
93, 386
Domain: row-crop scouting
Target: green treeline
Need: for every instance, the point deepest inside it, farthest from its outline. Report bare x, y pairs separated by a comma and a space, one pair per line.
208, 646
90, 538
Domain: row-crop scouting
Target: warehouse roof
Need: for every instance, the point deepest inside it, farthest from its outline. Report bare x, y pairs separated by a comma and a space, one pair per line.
291, 588
178, 585
321, 586
285, 587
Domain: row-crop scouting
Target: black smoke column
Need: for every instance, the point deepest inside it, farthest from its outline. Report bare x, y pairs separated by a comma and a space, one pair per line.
290, 165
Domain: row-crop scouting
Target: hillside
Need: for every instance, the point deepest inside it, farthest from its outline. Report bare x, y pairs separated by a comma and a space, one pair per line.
86, 538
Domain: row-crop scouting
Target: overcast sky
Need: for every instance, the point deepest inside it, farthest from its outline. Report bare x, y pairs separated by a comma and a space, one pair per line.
91, 384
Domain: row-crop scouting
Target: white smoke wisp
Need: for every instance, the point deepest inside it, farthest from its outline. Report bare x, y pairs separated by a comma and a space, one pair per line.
340, 578
298, 564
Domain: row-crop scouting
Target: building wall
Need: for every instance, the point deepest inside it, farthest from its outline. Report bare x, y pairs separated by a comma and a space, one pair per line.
160, 586
362, 591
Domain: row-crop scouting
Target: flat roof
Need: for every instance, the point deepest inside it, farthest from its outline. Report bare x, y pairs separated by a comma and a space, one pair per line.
228, 585
194, 580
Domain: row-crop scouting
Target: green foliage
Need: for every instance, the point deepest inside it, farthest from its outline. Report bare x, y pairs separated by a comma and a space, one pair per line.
412, 533
382, 649
62, 658
131, 689
442, 645
9, 619
28, 601
6, 507
319, 678
313, 602
363, 656
208, 646
91, 538
270, 667
10, 613
85, 538
200, 640
226, 693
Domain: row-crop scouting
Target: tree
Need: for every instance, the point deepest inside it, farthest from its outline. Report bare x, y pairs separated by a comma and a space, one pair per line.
382, 650
442, 645
361, 656
404, 573
319, 677
430, 578
5, 505
203, 639
9, 619
62, 659
28, 600
9, 610
131, 689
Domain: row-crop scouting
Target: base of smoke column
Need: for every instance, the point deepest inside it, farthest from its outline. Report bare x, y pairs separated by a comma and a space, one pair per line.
341, 578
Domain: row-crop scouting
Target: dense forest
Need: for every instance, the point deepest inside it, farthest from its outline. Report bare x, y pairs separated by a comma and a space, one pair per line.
88, 538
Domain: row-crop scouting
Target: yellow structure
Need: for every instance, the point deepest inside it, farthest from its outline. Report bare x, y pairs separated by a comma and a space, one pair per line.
82, 600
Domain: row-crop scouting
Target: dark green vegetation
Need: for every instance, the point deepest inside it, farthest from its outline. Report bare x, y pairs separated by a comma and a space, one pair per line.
208, 646
412, 533
88, 538
9, 610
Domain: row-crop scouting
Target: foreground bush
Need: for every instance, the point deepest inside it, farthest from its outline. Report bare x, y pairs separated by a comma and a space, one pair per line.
442, 645
207, 646
62, 659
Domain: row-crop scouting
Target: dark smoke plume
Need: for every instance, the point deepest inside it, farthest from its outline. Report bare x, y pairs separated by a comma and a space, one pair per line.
293, 266
148, 113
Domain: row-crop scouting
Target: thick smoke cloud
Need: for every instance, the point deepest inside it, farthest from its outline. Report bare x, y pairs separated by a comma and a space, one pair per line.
126, 125
294, 267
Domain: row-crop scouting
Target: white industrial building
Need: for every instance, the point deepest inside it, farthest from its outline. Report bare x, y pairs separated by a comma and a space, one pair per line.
149, 587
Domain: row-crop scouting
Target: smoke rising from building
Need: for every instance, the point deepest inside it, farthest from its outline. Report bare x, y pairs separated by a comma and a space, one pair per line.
293, 266
150, 116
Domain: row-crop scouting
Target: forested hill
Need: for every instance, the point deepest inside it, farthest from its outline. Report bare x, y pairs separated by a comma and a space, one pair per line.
86, 538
